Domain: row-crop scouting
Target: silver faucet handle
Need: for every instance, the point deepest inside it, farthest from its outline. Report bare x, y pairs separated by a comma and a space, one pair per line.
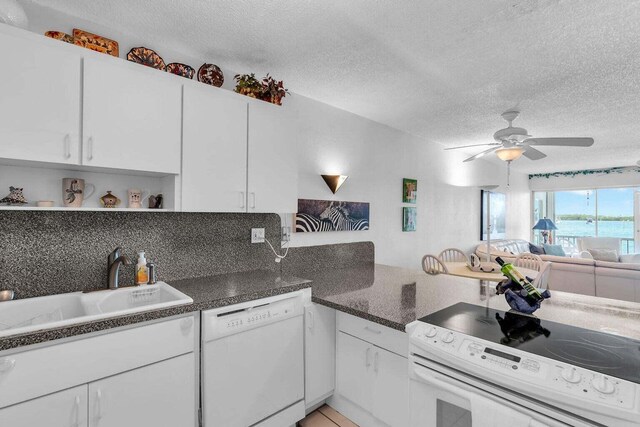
114, 255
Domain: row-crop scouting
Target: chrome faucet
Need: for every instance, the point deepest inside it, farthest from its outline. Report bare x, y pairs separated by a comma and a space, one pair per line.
114, 262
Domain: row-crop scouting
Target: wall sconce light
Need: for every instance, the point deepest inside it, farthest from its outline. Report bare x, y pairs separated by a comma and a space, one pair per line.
334, 182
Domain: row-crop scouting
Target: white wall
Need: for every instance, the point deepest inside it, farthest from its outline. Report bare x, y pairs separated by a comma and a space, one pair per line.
376, 158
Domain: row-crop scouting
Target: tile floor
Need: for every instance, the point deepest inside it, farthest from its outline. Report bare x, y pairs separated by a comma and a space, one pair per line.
326, 416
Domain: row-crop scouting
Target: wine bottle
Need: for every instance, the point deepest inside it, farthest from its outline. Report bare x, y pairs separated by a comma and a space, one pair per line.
516, 277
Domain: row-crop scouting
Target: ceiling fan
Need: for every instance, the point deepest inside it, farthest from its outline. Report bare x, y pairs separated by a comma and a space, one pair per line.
514, 142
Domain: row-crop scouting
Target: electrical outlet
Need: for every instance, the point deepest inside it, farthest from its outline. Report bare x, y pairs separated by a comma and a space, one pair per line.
286, 234
257, 235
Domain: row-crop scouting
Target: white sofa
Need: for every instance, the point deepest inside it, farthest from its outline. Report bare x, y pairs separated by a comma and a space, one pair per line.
617, 280
608, 243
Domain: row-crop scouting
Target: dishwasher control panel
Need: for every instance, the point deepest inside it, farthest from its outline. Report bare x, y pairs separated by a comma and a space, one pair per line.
255, 316
237, 318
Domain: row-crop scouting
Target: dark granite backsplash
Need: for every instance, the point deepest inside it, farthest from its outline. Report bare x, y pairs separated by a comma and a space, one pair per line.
50, 252
310, 259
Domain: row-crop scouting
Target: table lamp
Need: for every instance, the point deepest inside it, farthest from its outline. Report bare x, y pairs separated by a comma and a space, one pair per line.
545, 225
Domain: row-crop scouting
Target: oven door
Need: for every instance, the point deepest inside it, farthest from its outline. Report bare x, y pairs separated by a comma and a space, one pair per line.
438, 400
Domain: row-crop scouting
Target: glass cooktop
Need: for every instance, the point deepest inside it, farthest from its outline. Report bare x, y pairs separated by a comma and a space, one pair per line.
598, 351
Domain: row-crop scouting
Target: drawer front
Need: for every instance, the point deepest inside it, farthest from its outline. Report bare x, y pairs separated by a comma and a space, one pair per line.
46, 370
382, 336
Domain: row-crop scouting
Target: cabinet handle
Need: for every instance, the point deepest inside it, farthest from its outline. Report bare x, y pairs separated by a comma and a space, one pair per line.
242, 200
6, 365
375, 362
310, 316
99, 404
67, 146
76, 410
367, 363
375, 331
253, 198
90, 148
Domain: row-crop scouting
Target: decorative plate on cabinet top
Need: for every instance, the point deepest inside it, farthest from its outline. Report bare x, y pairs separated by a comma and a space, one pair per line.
95, 42
59, 35
145, 56
211, 74
182, 70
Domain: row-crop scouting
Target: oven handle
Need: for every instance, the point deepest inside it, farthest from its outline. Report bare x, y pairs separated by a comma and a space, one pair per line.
443, 384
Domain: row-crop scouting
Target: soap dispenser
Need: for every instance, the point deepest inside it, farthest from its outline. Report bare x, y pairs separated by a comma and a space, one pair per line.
142, 272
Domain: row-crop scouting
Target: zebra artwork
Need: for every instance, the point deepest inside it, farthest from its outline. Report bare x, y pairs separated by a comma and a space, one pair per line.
327, 215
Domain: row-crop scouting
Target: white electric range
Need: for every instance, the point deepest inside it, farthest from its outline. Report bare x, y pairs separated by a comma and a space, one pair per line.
471, 366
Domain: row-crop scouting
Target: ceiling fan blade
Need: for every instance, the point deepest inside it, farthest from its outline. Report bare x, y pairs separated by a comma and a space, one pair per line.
482, 154
560, 142
473, 145
533, 154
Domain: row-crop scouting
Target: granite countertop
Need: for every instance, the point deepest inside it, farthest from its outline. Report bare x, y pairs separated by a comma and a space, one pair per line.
395, 296
390, 296
206, 292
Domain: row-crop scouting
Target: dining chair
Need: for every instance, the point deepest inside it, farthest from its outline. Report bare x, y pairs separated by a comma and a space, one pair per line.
453, 255
542, 279
432, 265
529, 261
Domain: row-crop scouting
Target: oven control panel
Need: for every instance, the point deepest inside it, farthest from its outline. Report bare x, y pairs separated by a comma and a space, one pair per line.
503, 364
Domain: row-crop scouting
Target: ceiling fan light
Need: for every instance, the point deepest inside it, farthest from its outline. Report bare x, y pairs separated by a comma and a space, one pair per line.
509, 154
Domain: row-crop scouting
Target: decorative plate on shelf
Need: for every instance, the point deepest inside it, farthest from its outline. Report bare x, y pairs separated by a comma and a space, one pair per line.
96, 42
59, 35
181, 70
211, 74
145, 56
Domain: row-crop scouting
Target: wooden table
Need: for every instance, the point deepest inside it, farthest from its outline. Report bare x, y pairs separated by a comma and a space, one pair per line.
461, 269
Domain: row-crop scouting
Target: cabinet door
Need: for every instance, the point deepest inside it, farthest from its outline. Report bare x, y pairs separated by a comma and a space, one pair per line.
132, 117
162, 394
214, 151
273, 172
391, 388
320, 352
354, 376
66, 408
39, 102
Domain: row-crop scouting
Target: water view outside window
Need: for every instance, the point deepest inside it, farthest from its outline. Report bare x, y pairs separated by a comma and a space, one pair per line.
607, 212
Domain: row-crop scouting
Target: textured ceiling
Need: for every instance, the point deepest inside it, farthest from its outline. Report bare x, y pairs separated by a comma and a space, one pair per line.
440, 69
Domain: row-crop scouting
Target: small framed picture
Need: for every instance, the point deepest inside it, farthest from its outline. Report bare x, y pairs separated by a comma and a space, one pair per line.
409, 219
409, 190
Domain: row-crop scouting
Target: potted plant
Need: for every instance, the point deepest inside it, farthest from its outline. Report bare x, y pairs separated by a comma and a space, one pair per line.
248, 85
273, 90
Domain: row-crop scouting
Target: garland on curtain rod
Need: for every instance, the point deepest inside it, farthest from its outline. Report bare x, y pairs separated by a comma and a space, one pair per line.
607, 171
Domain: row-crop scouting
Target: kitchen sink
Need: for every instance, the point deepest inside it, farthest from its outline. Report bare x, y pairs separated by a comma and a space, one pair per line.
54, 311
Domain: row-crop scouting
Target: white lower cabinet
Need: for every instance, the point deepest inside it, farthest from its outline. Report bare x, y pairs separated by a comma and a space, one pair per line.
372, 383
155, 395
355, 374
66, 408
143, 376
319, 353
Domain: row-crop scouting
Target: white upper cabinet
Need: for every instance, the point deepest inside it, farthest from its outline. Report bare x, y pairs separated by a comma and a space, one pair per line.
214, 151
131, 117
273, 172
39, 101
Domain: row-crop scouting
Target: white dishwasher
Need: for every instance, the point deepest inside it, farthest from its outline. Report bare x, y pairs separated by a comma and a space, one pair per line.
253, 363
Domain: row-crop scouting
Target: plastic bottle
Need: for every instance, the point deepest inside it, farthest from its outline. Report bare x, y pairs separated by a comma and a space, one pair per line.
142, 272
